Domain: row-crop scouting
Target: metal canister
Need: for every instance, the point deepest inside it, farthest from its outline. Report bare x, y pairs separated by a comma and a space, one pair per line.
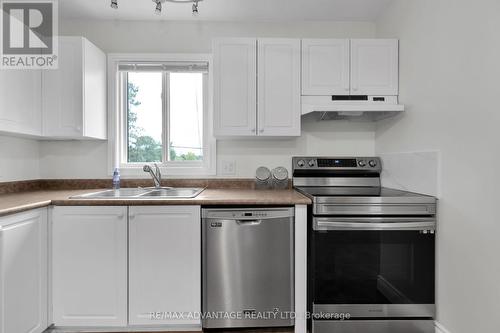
280, 178
263, 178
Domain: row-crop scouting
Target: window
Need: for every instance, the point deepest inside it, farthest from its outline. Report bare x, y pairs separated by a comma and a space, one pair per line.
144, 117
162, 115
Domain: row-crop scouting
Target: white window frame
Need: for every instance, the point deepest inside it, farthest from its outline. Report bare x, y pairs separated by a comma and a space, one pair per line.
117, 121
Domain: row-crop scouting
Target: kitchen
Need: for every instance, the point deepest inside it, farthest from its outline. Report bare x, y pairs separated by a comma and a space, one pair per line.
425, 142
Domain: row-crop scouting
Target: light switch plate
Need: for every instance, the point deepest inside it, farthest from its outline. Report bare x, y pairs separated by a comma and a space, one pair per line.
228, 167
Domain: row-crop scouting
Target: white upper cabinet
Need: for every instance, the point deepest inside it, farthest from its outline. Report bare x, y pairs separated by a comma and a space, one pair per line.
350, 67
252, 100
325, 67
164, 264
89, 266
235, 90
374, 67
74, 95
278, 73
23, 272
20, 100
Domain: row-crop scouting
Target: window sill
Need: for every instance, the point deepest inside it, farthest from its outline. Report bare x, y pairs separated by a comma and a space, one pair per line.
136, 171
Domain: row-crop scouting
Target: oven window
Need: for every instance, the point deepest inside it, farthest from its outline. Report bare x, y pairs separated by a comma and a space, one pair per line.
373, 267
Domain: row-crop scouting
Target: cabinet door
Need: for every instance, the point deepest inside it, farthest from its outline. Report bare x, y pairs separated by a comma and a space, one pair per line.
63, 92
235, 89
95, 92
279, 87
89, 256
164, 264
374, 67
325, 67
23, 272
20, 99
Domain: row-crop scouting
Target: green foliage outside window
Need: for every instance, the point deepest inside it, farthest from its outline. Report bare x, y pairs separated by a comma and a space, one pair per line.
141, 148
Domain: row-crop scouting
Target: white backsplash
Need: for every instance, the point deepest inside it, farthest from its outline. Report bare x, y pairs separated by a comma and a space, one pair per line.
414, 171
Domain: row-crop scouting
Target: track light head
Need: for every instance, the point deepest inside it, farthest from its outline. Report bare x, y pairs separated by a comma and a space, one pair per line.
195, 7
158, 8
159, 5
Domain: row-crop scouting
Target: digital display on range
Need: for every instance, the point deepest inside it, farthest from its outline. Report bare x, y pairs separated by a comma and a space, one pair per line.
337, 163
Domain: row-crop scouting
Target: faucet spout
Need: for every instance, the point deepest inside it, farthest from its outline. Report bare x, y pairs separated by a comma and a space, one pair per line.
156, 175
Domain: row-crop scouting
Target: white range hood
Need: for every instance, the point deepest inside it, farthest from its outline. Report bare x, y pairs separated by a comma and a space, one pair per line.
344, 107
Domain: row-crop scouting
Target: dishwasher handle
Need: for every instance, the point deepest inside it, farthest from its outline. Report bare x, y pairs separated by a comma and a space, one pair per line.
249, 222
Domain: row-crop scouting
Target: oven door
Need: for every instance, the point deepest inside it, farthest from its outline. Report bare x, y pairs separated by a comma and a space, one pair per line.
373, 267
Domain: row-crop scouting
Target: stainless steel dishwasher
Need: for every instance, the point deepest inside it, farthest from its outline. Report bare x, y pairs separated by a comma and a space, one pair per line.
248, 271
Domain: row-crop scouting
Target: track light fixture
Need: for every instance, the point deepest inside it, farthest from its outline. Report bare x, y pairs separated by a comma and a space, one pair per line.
158, 7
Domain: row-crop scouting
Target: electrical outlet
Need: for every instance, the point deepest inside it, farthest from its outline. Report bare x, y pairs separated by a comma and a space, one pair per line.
228, 168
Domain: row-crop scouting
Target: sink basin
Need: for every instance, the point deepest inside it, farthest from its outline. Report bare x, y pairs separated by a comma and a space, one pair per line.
173, 193
143, 193
109, 194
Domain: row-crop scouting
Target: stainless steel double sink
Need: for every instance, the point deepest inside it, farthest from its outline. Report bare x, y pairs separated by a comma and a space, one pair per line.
144, 193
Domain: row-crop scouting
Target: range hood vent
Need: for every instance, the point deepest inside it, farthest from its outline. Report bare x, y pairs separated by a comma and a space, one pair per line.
352, 106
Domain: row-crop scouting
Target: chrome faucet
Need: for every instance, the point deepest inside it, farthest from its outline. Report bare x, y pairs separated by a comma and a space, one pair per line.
156, 175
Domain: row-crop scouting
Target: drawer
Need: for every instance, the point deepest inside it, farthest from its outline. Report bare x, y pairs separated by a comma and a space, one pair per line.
373, 326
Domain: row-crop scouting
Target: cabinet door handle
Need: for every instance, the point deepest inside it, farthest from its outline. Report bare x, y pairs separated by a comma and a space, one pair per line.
253, 130
131, 216
261, 131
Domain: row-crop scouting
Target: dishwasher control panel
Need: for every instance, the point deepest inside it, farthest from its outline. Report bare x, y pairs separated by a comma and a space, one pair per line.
250, 214
247, 214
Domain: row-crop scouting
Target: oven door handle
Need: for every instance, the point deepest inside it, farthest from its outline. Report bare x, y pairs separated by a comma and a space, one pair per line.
417, 224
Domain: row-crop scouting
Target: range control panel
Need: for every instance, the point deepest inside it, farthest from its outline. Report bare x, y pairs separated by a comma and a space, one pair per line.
340, 163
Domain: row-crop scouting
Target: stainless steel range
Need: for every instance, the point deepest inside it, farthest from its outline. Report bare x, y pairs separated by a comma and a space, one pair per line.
371, 249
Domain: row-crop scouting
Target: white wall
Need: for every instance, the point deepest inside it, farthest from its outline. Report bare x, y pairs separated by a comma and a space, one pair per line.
189, 36
89, 159
449, 78
19, 159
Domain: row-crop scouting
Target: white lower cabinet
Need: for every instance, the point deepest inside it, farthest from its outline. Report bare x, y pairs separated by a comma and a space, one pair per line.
95, 249
89, 266
23, 272
164, 265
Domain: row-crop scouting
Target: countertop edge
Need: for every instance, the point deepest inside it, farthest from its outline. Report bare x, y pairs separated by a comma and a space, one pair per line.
291, 198
24, 207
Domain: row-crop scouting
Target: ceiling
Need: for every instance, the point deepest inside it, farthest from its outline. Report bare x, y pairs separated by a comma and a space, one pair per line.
228, 10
